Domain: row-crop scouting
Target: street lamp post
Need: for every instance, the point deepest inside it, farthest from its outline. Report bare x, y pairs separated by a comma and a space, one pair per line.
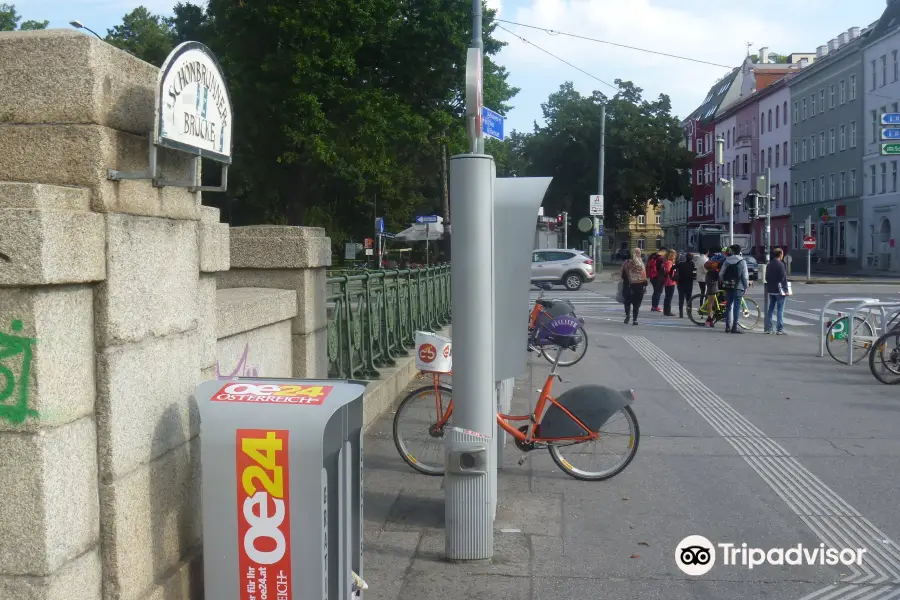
720, 160
80, 25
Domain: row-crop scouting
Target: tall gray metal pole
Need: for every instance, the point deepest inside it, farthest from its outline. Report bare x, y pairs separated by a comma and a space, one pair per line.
468, 511
598, 221
766, 242
478, 42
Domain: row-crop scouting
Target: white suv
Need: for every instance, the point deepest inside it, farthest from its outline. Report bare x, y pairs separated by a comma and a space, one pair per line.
569, 268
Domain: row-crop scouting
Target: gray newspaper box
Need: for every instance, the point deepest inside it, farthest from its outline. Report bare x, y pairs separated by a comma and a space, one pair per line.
281, 461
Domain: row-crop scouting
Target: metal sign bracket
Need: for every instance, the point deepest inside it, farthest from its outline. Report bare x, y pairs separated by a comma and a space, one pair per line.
153, 173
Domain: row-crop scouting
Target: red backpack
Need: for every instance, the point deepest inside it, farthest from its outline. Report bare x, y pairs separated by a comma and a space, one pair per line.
652, 266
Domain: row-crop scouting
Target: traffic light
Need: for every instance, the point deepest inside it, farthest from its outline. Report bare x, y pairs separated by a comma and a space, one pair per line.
750, 204
559, 220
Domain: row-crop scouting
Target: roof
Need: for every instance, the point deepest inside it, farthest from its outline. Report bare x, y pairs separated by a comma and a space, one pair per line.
889, 20
783, 79
823, 62
707, 110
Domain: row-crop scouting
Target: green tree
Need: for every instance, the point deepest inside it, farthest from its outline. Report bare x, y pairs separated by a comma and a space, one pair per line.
143, 34
9, 20
773, 58
644, 161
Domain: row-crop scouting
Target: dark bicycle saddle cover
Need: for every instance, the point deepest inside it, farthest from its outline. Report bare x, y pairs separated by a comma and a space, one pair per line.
592, 404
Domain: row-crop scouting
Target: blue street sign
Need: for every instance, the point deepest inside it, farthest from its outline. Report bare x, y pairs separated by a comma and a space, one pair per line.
491, 123
427, 219
379, 224
890, 119
888, 133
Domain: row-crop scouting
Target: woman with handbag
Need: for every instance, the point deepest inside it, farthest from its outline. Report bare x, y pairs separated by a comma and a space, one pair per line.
634, 284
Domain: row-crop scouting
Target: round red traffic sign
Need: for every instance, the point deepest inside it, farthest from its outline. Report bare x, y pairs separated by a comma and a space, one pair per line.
809, 242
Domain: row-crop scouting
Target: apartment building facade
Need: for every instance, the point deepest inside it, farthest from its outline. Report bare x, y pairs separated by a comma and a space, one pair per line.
673, 220
880, 93
774, 142
826, 156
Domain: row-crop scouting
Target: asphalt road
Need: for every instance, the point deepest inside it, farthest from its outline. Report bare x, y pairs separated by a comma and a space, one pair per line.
749, 439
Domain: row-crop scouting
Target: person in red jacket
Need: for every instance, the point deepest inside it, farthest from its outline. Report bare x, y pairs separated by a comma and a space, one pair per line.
668, 265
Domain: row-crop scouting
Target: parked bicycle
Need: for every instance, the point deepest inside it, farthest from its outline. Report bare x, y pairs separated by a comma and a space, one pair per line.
884, 360
576, 419
866, 332
543, 312
749, 310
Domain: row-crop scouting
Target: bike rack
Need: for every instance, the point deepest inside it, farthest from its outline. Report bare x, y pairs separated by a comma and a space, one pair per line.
884, 321
822, 316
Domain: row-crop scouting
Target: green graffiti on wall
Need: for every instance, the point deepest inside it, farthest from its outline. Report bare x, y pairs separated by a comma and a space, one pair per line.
14, 392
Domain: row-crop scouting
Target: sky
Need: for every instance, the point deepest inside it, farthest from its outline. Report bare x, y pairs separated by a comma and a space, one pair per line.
697, 29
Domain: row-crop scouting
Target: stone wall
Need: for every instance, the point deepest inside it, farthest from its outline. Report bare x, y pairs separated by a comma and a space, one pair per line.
116, 299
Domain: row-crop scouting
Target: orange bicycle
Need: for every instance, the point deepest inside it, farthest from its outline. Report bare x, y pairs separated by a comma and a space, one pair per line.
578, 418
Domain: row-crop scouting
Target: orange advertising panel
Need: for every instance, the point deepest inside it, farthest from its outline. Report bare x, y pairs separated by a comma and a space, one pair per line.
272, 393
264, 520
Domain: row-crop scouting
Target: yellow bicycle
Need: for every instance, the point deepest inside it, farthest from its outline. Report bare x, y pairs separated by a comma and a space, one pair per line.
749, 310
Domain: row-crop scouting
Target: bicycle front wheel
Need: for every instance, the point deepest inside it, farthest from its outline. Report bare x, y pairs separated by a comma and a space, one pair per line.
620, 430
567, 356
884, 359
418, 430
837, 339
696, 311
749, 314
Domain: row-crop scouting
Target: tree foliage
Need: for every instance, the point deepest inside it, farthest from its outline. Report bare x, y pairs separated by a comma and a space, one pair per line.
10, 20
773, 58
339, 104
644, 157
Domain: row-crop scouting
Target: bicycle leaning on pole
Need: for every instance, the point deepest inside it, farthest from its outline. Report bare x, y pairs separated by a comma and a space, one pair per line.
578, 418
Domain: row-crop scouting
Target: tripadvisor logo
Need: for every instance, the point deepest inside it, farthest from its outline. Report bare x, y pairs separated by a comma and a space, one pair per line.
695, 555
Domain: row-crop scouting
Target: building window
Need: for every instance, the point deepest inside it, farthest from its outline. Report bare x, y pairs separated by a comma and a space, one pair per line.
831, 141
883, 178
842, 91
822, 143
843, 138
852, 182
777, 119
762, 158
822, 187
641, 243
796, 190
812, 147
874, 76
874, 127
777, 156
853, 134
796, 112
812, 105
746, 165
658, 219
728, 170
843, 184
803, 150
777, 195
734, 135
762, 122
803, 104
893, 175
784, 113
769, 164
699, 208
822, 100
784, 193
699, 177
699, 145
803, 192
831, 95
812, 189
853, 85
894, 64
872, 180
831, 190
728, 138
640, 219
796, 153
659, 243
769, 119
883, 70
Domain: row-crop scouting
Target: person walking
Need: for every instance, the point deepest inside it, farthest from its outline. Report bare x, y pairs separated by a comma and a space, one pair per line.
669, 283
657, 276
699, 271
684, 274
777, 289
634, 275
711, 297
734, 278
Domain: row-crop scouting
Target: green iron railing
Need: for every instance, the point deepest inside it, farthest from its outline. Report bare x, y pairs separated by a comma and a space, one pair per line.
373, 316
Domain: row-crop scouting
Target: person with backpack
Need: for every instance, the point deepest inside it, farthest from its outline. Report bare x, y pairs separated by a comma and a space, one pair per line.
657, 276
684, 274
734, 278
634, 277
669, 282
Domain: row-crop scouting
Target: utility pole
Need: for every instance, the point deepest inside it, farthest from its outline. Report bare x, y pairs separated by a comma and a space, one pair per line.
598, 220
478, 42
808, 231
763, 182
565, 228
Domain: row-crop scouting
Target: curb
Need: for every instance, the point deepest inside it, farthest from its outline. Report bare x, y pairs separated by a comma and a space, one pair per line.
875, 281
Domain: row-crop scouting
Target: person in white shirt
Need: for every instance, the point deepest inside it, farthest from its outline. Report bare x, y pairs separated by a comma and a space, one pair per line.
699, 260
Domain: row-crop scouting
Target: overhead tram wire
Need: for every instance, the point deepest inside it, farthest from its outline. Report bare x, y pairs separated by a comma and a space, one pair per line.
598, 41
547, 52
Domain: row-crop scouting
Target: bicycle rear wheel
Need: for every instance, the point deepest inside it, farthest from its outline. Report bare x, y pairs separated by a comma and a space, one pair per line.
416, 419
568, 356
837, 340
884, 359
571, 464
696, 315
749, 314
